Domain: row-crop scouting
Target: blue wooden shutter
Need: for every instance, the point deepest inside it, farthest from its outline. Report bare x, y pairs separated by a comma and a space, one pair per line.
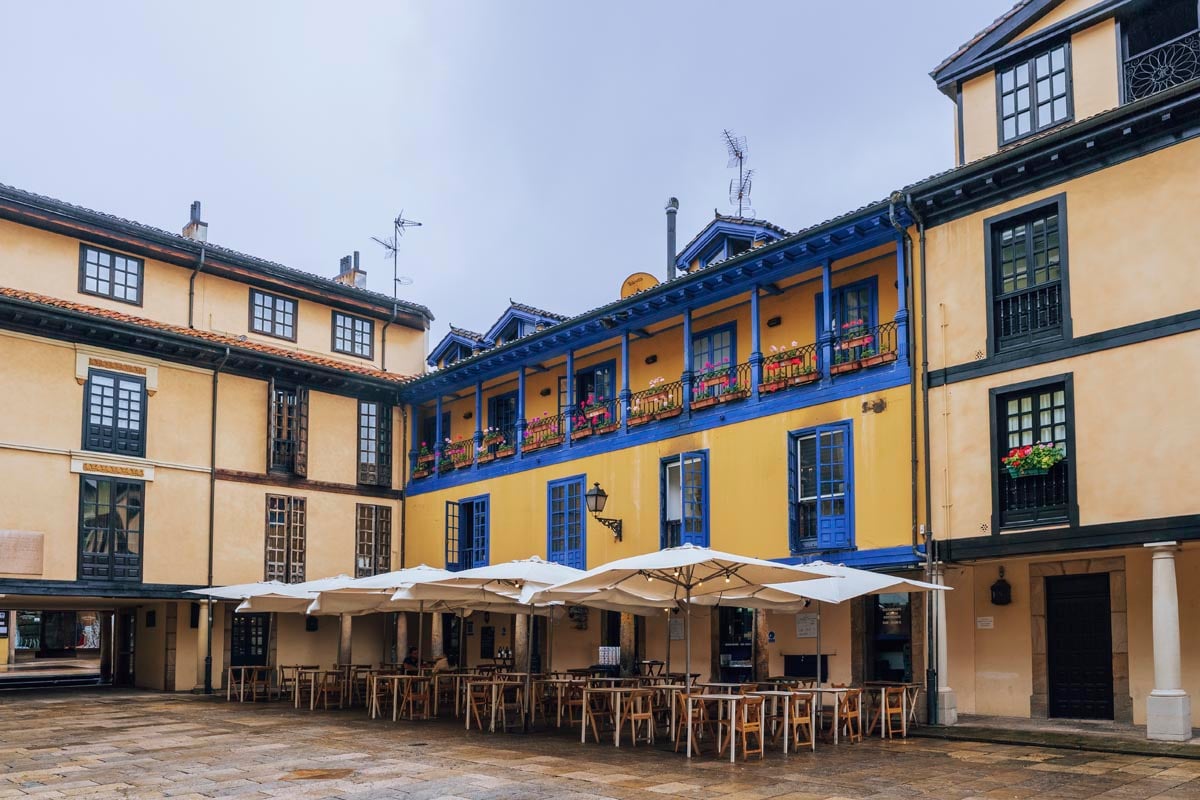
556, 527
452, 557
693, 484
834, 487
662, 506
793, 495
573, 533
479, 531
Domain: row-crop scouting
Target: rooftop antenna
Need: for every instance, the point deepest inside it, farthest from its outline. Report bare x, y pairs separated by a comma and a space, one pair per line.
739, 188
391, 245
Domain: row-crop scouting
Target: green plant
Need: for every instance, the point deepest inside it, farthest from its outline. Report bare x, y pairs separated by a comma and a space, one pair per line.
1035, 459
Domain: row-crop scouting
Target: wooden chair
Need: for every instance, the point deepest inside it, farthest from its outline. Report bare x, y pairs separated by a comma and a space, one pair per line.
849, 716
639, 711
330, 686
512, 706
600, 713
747, 722
801, 720
417, 702
891, 713
260, 684
699, 721
572, 704
479, 704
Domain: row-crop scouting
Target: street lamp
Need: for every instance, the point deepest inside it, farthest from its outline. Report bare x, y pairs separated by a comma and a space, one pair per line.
596, 499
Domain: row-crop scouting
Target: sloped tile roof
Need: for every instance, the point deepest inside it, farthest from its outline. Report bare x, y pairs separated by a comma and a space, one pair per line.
537, 312
967, 45
478, 337
239, 342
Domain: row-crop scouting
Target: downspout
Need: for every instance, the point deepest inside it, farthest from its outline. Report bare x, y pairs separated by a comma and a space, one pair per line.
383, 337
192, 285
403, 482
212, 510
906, 243
931, 676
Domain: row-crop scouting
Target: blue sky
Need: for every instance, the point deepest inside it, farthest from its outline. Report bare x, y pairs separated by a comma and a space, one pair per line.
536, 141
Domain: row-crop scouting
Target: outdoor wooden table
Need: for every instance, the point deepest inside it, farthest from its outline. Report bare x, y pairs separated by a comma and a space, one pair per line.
395, 679
671, 689
310, 674
615, 692
560, 688
776, 695
241, 672
837, 696
732, 701
908, 701
653, 667
495, 687
718, 685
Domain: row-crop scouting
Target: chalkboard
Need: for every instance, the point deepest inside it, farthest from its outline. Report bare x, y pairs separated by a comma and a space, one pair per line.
487, 642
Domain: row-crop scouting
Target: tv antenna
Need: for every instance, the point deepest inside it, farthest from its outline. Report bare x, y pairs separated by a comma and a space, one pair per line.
739, 188
391, 246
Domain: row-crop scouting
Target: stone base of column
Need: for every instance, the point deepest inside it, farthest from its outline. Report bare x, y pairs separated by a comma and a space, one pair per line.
1169, 716
947, 707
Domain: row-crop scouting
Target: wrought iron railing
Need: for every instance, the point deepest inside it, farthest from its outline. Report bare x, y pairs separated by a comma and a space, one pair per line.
1035, 499
783, 369
660, 401
543, 432
1029, 316
497, 443
859, 347
1169, 64
721, 385
595, 416
457, 455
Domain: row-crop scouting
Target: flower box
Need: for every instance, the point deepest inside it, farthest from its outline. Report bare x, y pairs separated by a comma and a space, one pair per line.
1026, 472
878, 358
845, 366
446, 465
667, 413
505, 452
772, 386
856, 341
582, 433
423, 472
703, 402
717, 383
425, 458
656, 400
595, 412
640, 420
729, 397
463, 464
484, 457
608, 428
803, 378
544, 443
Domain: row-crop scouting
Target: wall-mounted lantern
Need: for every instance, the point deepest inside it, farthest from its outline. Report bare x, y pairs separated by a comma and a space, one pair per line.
1001, 591
596, 499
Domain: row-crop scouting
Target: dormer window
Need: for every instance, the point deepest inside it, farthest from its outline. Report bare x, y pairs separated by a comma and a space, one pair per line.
1034, 94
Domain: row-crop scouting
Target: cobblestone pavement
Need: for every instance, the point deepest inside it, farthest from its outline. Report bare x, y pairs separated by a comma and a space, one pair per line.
100, 744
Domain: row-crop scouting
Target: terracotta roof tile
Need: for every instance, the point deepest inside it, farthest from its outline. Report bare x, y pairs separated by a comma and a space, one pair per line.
537, 312
967, 45
238, 342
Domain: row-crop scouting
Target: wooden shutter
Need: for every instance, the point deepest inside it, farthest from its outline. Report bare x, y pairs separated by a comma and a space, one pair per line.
479, 537
383, 539
693, 485
301, 467
383, 445
272, 427
793, 494
297, 539
452, 556
834, 487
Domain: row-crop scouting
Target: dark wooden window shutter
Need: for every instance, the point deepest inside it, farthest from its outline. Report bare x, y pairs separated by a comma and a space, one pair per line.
302, 431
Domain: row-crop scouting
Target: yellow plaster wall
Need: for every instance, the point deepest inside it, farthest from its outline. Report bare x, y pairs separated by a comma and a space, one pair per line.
48, 393
241, 424
980, 134
295, 645
367, 635
175, 520
149, 656
333, 438
1095, 78
1064, 10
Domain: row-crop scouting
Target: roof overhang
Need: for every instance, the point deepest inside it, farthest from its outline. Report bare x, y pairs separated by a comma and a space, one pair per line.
723, 227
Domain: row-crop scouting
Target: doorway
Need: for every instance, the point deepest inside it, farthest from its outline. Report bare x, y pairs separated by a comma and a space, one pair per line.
248, 643
1079, 646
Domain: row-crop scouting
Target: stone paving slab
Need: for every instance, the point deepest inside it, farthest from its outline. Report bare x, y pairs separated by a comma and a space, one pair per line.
99, 744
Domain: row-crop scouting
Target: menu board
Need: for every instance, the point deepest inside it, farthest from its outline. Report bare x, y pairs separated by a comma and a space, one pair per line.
806, 626
487, 642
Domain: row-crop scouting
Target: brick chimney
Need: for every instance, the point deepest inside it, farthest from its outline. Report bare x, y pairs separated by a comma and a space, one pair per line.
196, 228
349, 272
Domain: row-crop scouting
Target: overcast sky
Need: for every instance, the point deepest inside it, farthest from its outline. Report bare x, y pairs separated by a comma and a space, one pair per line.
536, 141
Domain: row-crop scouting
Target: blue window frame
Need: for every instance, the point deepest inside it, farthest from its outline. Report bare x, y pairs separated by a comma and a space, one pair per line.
467, 533
566, 535
821, 488
596, 380
683, 499
502, 411
854, 301
713, 347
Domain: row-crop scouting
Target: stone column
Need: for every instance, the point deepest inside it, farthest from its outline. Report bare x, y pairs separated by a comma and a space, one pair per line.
345, 636
762, 658
628, 644
947, 704
520, 641
107, 651
401, 635
1168, 708
437, 647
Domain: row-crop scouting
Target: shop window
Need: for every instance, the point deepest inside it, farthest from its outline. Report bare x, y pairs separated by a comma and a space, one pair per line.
889, 637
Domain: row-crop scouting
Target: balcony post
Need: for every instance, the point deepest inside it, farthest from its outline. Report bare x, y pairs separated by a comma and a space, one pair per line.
826, 338
569, 410
439, 434
756, 356
478, 438
416, 439
901, 300
625, 393
685, 379
520, 428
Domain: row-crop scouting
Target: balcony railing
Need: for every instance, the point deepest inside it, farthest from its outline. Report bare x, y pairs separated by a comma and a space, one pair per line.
1035, 499
784, 369
860, 347
721, 384
1030, 316
1167, 65
497, 443
543, 432
595, 417
457, 455
661, 401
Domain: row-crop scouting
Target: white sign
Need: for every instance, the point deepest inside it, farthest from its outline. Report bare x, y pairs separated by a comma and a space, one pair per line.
677, 630
806, 626
985, 623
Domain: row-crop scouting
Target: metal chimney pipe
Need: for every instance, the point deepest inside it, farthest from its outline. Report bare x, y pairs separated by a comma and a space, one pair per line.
672, 210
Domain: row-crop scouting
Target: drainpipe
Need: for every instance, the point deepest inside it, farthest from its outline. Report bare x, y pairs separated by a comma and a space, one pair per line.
192, 284
212, 510
383, 337
906, 243
403, 481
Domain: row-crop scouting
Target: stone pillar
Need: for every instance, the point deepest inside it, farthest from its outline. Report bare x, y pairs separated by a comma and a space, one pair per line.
520, 641
202, 643
345, 636
762, 658
437, 647
628, 644
947, 704
401, 635
1168, 708
107, 651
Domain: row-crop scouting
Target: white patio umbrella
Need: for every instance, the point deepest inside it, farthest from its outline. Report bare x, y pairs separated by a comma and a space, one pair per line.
289, 598
374, 592
237, 591
660, 577
509, 582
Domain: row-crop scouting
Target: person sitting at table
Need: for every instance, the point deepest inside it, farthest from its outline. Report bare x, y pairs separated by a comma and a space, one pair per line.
410, 661
442, 664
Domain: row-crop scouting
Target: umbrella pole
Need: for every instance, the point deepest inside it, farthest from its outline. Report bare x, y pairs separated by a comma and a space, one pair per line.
668, 669
528, 667
687, 661
818, 644
549, 643
420, 634
461, 666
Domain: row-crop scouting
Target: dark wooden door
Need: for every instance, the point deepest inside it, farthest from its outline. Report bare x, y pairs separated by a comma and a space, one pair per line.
1079, 646
248, 645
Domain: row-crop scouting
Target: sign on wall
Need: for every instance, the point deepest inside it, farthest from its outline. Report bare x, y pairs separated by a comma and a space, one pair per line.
678, 633
806, 626
3, 624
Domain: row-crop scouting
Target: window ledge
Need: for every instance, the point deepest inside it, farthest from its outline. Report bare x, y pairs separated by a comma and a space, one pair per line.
1050, 525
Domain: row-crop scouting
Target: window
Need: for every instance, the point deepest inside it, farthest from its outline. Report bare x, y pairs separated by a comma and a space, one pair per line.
272, 315
1035, 94
849, 303
110, 529
683, 500
502, 415
287, 429
429, 436
820, 489
112, 275
598, 381
1026, 266
565, 522
888, 654
467, 533
374, 443
248, 641
286, 538
353, 336
114, 414
373, 536
1162, 45
714, 347
1038, 414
